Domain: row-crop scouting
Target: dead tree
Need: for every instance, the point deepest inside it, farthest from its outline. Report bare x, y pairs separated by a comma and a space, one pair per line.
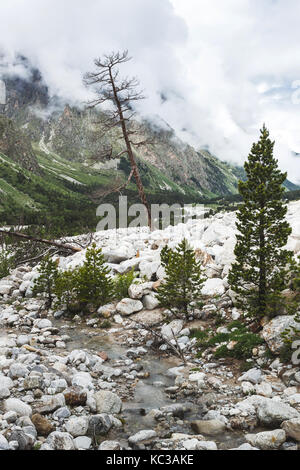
120, 93
22, 236
174, 347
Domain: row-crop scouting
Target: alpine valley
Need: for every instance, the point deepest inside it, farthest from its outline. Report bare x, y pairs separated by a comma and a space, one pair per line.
54, 169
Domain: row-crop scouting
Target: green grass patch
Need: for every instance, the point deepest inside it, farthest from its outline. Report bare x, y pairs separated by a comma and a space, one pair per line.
237, 333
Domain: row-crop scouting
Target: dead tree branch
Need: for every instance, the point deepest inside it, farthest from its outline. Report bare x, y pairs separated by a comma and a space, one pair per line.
178, 352
118, 189
39, 257
41, 240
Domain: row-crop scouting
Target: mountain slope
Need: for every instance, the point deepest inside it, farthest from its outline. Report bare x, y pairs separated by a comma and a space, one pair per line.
16, 145
74, 135
54, 166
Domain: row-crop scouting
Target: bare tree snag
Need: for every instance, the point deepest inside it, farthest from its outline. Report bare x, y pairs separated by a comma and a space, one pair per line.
120, 93
41, 240
175, 348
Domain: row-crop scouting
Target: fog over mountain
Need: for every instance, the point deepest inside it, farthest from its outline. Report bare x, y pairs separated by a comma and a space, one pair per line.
215, 71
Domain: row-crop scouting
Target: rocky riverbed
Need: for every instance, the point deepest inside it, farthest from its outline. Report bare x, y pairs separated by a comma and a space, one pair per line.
70, 384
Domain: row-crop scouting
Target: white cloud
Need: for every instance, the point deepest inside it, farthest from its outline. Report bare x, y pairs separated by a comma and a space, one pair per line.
224, 67
243, 59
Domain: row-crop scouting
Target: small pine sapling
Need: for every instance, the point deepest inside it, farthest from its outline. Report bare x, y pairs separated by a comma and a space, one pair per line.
94, 284
181, 289
45, 283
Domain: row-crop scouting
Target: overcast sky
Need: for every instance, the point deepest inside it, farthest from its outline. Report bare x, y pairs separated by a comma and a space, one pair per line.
224, 66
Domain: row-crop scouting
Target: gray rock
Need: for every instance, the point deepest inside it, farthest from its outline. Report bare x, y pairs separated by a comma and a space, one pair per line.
60, 441
107, 310
212, 427
10, 417
22, 340
248, 388
136, 352
142, 436
273, 330
212, 287
137, 291
294, 399
175, 371
99, 425
13, 445
6, 382
269, 440
292, 428
110, 445
50, 403
30, 430
150, 301
6, 287
245, 447
253, 375
273, 413
21, 408
83, 380
4, 393
127, 265
31, 383
77, 426
62, 413
148, 317
264, 389
17, 370
147, 268
3, 443
174, 327
12, 319
115, 257
43, 323
176, 409
59, 385
190, 444
24, 421
25, 441
6, 342
214, 414
206, 445
83, 442
107, 402
128, 306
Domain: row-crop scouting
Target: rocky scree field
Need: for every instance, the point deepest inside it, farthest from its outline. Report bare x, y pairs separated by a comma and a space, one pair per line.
106, 382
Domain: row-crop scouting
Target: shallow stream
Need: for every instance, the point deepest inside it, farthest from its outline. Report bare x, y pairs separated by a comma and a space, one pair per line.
147, 395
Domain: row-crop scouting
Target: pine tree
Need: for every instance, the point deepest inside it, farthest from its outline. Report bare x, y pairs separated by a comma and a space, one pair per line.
65, 290
122, 282
261, 270
93, 282
45, 283
296, 280
182, 285
6, 262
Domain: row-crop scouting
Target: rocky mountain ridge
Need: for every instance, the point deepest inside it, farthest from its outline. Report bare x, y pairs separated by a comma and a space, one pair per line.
74, 135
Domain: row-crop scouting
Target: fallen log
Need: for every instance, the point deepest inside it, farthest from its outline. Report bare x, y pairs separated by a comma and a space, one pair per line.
42, 240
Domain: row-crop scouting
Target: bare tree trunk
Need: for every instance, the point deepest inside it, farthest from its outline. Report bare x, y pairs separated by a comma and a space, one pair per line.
121, 93
134, 167
42, 240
